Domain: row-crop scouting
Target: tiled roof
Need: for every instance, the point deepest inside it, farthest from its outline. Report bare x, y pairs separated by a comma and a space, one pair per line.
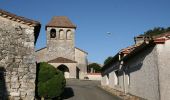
134, 49
129, 49
22, 20
160, 39
61, 60
60, 21
19, 19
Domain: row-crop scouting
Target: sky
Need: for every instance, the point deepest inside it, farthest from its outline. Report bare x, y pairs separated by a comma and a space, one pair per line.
124, 19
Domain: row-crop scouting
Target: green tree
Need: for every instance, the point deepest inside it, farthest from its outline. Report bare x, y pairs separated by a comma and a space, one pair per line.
108, 59
156, 31
95, 66
51, 82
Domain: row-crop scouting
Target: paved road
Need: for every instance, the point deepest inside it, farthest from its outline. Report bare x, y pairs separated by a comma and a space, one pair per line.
85, 90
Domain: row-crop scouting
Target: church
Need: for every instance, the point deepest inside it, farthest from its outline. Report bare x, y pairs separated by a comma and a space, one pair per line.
60, 50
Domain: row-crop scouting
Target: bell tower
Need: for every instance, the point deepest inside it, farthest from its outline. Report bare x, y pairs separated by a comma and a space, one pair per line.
60, 33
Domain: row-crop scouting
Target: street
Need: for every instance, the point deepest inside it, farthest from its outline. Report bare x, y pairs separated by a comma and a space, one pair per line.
85, 90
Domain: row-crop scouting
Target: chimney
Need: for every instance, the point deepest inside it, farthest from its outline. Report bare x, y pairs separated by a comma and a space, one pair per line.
141, 38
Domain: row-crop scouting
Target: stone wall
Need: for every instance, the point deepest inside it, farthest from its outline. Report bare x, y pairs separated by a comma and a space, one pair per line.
81, 58
18, 58
41, 55
57, 47
71, 67
94, 76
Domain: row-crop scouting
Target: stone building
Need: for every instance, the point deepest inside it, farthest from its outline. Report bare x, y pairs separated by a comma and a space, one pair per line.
142, 69
17, 56
61, 51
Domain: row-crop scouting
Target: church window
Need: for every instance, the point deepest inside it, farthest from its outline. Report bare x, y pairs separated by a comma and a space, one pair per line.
52, 33
61, 34
69, 35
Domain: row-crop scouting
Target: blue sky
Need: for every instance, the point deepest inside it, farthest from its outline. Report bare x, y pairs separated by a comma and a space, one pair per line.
94, 18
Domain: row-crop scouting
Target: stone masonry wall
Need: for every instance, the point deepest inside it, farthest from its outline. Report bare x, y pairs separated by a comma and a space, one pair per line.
18, 58
60, 47
41, 55
81, 58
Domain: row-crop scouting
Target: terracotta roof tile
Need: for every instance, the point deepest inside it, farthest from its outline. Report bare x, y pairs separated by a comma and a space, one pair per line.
61, 60
129, 49
160, 39
22, 20
19, 19
60, 21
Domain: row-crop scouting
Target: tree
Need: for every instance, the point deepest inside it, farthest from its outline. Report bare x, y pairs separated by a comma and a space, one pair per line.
51, 82
95, 67
108, 59
156, 31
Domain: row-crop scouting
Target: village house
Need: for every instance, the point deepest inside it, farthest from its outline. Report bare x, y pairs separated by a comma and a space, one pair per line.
18, 36
142, 69
61, 51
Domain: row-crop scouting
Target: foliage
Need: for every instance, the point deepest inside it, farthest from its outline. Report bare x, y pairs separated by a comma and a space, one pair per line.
95, 66
156, 31
51, 82
108, 59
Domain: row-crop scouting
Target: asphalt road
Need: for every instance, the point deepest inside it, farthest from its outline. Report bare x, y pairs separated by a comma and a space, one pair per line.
85, 90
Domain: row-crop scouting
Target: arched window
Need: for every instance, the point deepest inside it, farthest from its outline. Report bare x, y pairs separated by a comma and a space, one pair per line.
61, 34
52, 33
69, 35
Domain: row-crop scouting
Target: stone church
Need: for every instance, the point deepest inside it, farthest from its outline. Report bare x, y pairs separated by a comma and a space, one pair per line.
61, 51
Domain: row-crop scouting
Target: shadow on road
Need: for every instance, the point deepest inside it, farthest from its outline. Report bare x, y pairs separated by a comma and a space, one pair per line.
68, 93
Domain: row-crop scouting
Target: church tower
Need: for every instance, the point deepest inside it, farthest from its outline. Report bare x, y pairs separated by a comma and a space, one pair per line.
60, 33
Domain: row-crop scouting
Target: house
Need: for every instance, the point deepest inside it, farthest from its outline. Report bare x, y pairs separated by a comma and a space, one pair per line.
18, 36
61, 51
142, 69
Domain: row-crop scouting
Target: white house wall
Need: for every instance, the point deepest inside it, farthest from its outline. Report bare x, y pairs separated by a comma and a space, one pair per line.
144, 74
164, 69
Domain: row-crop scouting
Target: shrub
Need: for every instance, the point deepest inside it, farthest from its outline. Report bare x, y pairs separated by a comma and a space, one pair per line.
51, 82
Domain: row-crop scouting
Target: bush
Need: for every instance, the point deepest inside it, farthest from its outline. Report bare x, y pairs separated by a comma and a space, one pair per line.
51, 82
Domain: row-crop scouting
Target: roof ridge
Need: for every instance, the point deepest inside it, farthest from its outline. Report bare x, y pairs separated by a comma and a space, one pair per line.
61, 60
19, 19
61, 22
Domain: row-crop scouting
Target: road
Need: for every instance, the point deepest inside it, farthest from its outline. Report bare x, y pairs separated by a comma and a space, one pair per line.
85, 90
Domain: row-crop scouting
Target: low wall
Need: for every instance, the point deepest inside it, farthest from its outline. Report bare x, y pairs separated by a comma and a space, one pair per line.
94, 76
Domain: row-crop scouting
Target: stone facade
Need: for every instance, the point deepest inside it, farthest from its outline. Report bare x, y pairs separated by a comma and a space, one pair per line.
142, 70
71, 68
81, 59
62, 45
17, 57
